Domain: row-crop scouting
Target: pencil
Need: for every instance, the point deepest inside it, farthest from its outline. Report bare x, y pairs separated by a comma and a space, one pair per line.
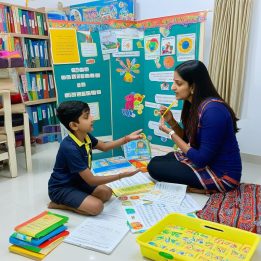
168, 108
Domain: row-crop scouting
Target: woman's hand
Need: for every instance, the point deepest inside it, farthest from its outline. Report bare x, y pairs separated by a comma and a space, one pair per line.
168, 117
163, 127
136, 135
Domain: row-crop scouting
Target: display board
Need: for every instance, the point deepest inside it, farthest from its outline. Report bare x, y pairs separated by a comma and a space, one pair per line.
133, 70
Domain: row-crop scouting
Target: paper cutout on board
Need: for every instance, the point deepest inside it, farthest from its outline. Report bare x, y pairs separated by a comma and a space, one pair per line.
109, 43
156, 113
95, 110
90, 61
168, 46
128, 69
139, 44
126, 45
164, 86
185, 47
166, 99
152, 46
152, 105
157, 62
127, 54
168, 62
161, 76
164, 31
129, 33
89, 50
133, 105
64, 47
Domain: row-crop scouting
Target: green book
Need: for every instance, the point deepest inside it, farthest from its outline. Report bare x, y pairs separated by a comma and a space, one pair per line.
41, 224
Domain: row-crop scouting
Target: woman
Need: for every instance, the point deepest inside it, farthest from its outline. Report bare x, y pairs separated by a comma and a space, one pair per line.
209, 157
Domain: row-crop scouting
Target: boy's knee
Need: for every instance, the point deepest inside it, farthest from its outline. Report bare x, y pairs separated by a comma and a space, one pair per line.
107, 193
96, 209
104, 193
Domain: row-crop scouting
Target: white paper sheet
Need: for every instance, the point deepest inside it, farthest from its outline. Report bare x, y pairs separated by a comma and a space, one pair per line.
101, 233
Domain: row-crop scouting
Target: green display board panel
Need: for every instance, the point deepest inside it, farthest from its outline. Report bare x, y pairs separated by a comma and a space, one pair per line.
92, 87
127, 90
157, 83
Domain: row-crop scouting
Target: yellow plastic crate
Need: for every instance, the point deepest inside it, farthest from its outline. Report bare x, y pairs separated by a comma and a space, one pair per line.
218, 232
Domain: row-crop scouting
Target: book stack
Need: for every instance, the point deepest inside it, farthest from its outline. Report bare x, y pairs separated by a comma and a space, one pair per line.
38, 236
50, 133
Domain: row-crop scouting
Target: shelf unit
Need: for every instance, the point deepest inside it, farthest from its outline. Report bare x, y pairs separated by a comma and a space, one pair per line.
26, 30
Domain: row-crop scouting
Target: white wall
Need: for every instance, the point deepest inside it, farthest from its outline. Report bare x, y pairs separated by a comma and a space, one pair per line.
249, 136
250, 123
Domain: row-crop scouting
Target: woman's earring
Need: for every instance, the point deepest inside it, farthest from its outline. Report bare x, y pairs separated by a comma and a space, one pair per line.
192, 92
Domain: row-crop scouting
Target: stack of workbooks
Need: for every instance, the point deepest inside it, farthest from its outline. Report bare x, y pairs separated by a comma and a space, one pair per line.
38, 236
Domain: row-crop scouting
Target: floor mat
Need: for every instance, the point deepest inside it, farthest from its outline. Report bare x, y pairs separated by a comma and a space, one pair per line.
239, 208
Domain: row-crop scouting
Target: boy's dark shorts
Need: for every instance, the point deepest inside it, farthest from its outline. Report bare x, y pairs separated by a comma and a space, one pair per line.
71, 196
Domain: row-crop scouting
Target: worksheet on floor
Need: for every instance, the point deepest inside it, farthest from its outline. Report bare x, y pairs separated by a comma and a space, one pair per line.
101, 233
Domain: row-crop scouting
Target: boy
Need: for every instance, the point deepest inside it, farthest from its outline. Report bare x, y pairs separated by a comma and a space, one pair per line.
72, 185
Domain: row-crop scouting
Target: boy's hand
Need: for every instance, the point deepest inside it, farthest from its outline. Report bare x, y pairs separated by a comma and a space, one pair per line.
136, 135
128, 173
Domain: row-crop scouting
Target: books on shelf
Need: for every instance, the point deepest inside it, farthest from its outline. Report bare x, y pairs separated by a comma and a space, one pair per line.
16, 19
40, 116
36, 86
38, 236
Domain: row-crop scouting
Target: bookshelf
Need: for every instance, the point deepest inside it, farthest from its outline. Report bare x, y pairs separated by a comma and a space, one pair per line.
25, 30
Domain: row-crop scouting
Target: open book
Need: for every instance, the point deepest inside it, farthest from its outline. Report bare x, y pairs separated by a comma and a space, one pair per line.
138, 183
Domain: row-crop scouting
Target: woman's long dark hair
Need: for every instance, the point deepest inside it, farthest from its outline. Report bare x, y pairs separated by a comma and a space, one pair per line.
196, 74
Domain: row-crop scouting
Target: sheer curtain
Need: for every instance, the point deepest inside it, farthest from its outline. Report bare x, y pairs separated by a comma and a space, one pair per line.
230, 33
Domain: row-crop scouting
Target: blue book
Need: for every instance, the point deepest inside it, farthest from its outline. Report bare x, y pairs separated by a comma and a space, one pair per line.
137, 150
109, 164
24, 239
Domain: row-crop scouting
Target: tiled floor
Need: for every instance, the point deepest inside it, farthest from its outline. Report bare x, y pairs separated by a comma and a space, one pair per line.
26, 196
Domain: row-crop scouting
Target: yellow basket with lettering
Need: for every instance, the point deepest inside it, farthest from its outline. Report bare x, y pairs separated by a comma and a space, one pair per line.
179, 237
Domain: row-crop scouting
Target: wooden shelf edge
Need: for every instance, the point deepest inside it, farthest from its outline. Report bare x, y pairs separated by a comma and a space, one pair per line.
39, 69
41, 101
33, 36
